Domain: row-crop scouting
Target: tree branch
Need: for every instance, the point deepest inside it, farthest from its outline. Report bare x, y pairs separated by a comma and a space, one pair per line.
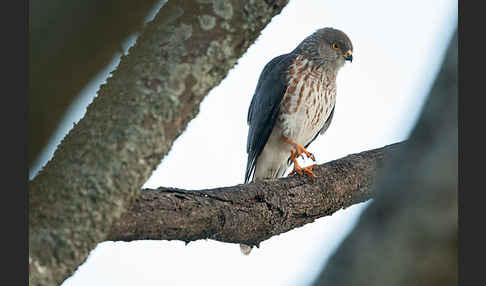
100, 166
254, 212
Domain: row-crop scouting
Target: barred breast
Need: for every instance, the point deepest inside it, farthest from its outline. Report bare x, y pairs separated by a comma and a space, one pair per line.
308, 101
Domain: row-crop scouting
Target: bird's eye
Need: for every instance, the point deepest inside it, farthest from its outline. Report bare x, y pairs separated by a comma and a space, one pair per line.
336, 46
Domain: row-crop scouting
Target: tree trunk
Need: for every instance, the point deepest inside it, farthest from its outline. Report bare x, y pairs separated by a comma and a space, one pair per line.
408, 234
100, 166
69, 42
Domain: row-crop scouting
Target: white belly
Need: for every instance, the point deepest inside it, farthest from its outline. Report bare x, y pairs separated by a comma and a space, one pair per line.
304, 109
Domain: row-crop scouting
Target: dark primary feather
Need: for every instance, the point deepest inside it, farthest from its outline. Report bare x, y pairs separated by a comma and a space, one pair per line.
264, 108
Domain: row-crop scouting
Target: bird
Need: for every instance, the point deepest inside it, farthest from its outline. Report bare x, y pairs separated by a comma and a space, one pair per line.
294, 103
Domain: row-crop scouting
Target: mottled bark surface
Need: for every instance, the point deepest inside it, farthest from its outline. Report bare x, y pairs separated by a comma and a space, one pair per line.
409, 233
100, 166
254, 212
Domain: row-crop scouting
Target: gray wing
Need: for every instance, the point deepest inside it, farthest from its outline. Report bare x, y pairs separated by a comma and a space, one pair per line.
264, 108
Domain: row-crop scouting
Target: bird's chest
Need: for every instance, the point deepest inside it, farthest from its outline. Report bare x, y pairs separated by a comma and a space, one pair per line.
306, 105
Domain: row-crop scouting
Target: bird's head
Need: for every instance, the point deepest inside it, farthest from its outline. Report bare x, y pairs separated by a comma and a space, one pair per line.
328, 47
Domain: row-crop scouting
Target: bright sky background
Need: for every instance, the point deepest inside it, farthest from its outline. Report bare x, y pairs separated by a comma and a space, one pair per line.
398, 48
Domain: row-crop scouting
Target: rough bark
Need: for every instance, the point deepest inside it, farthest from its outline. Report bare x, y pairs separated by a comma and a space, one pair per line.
100, 166
253, 212
69, 42
409, 234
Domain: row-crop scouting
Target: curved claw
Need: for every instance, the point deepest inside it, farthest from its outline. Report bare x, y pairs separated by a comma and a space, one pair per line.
301, 170
307, 170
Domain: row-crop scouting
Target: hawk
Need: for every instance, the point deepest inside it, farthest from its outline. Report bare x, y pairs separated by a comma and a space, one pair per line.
293, 103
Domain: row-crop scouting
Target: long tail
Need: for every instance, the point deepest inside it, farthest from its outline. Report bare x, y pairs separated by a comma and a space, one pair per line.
251, 175
245, 249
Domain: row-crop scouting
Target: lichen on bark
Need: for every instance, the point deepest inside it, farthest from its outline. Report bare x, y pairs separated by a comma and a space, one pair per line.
101, 164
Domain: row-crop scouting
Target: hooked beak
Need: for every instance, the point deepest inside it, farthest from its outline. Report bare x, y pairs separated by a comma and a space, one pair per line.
349, 56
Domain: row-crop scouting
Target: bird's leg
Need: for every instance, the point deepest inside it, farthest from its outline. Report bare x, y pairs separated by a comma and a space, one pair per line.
299, 151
